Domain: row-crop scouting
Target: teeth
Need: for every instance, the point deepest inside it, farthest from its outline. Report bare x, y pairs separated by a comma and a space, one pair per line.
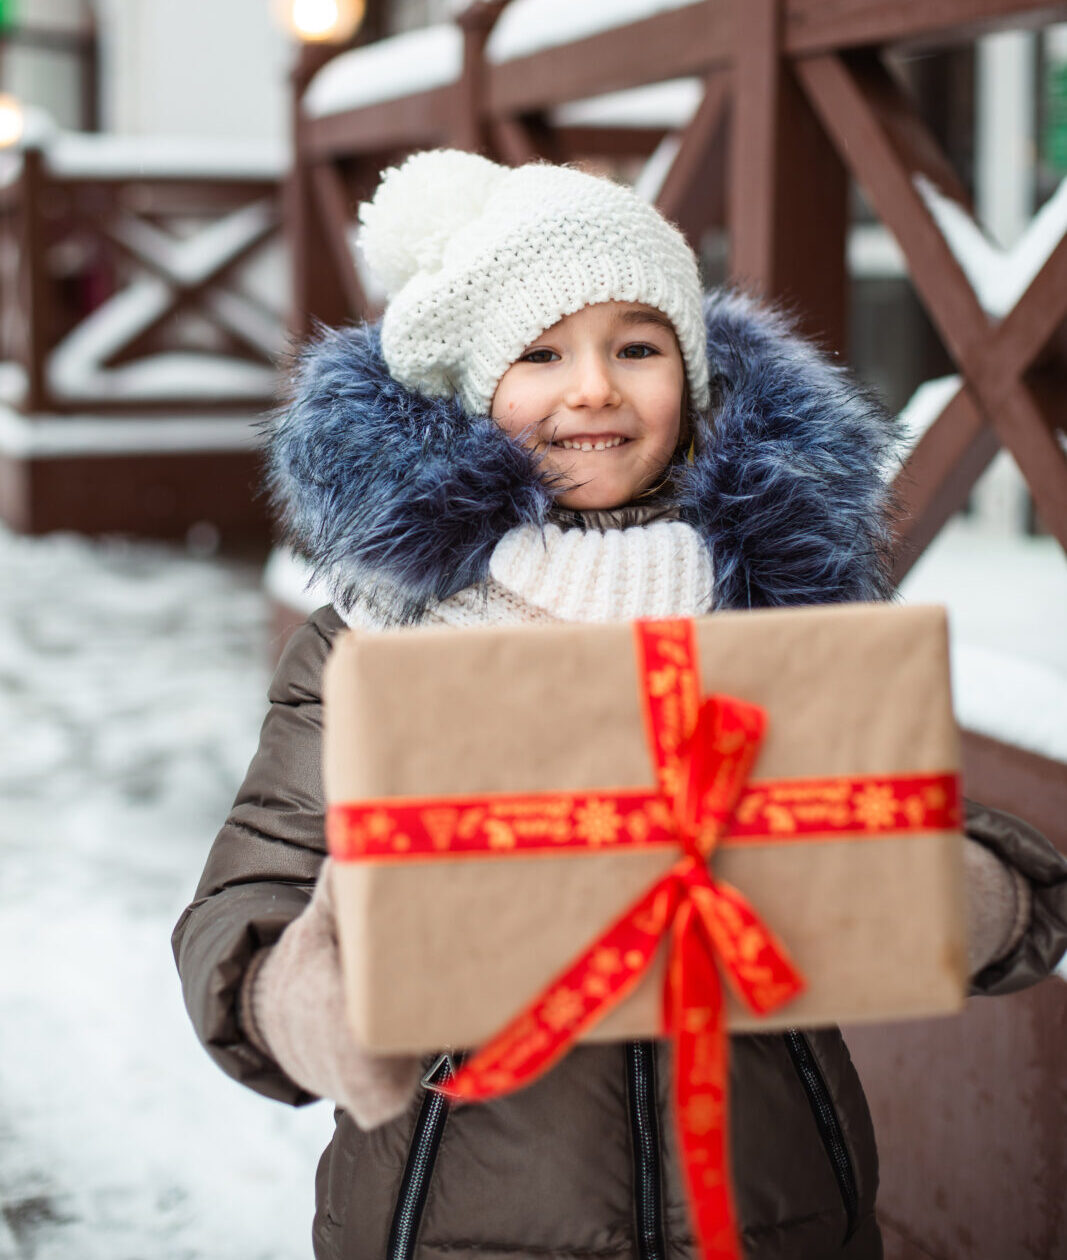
604, 444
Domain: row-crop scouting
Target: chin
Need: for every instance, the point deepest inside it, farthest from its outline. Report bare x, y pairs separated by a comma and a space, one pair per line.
589, 499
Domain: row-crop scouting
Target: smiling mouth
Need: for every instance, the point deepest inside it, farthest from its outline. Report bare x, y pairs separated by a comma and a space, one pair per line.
590, 443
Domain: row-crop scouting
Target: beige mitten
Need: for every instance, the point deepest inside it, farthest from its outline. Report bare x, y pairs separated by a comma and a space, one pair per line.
999, 899
292, 1009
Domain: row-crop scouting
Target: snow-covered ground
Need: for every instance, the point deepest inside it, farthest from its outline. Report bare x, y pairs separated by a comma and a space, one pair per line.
132, 685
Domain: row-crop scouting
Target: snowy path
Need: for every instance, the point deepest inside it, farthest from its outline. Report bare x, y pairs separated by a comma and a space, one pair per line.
132, 684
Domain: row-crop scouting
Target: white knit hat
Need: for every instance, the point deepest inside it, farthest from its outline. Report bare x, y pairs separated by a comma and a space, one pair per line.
477, 260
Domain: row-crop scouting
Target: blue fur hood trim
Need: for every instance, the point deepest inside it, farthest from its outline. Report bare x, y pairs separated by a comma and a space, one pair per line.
399, 500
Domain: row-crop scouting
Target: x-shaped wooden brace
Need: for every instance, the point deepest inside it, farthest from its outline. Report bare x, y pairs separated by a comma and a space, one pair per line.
193, 273
882, 140
692, 191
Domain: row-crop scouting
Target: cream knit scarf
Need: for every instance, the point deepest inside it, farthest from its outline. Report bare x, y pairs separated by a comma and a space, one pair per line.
660, 569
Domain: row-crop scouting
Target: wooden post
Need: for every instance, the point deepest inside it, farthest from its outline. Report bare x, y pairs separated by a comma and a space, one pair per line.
89, 55
318, 292
788, 193
469, 127
33, 282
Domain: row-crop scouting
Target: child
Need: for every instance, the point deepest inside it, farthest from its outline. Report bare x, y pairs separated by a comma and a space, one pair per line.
532, 435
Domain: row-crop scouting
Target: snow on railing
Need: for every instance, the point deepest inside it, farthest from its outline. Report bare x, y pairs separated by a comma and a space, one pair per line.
999, 277
400, 65
528, 26
669, 104
85, 155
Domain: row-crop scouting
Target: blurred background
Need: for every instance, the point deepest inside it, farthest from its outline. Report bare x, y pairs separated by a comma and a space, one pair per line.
178, 185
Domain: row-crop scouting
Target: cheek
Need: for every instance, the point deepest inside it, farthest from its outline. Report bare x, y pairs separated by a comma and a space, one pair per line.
505, 410
664, 417
516, 408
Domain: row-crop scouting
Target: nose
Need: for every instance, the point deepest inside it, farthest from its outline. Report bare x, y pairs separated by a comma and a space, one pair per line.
591, 384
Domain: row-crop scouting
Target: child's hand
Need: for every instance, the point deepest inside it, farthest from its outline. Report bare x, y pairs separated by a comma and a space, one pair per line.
292, 1009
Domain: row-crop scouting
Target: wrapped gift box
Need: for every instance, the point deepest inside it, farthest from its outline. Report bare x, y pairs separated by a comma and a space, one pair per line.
443, 951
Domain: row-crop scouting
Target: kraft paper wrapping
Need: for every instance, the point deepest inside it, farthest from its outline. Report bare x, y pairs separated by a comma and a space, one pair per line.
443, 953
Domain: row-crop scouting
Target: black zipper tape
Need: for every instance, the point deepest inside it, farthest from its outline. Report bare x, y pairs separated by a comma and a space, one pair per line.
641, 1088
422, 1155
429, 1126
833, 1138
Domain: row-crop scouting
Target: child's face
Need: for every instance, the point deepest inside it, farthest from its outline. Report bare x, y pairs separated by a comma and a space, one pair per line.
599, 395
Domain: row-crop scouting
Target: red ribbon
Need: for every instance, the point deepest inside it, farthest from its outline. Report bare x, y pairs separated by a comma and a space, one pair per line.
703, 752
701, 778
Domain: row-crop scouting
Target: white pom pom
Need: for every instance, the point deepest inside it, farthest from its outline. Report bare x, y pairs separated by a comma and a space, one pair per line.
417, 207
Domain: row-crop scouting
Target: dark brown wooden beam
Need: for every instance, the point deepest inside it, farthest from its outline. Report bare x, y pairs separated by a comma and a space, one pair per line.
152, 495
310, 57
938, 476
516, 141
788, 188
166, 198
89, 88
421, 121
609, 142
1026, 431
32, 284
469, 130
816, 26
336, 219
176, 404
693, 193
1026, 330
693, 40
1049, 388
317, 292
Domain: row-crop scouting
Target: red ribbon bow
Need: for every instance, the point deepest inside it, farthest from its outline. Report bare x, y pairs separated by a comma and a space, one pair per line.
703, 752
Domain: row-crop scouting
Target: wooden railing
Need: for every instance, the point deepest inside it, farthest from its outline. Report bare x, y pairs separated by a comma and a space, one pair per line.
797, 99
121, 278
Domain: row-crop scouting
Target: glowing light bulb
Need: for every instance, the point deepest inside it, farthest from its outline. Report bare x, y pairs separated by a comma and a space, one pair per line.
322, 21
11, 121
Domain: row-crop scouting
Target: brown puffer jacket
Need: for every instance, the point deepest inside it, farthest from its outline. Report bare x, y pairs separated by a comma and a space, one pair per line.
582, 1164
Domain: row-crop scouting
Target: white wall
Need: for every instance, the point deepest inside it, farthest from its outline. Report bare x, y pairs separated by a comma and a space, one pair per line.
213, 68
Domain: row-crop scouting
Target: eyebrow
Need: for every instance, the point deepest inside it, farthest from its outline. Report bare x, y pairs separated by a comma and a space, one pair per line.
646, 317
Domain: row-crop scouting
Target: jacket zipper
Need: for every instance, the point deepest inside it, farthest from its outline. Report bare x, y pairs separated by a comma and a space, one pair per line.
422, 1156
641, 1088
822, 1106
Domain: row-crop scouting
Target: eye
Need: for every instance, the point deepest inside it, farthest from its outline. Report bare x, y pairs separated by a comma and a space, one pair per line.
639, 346
529, 358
